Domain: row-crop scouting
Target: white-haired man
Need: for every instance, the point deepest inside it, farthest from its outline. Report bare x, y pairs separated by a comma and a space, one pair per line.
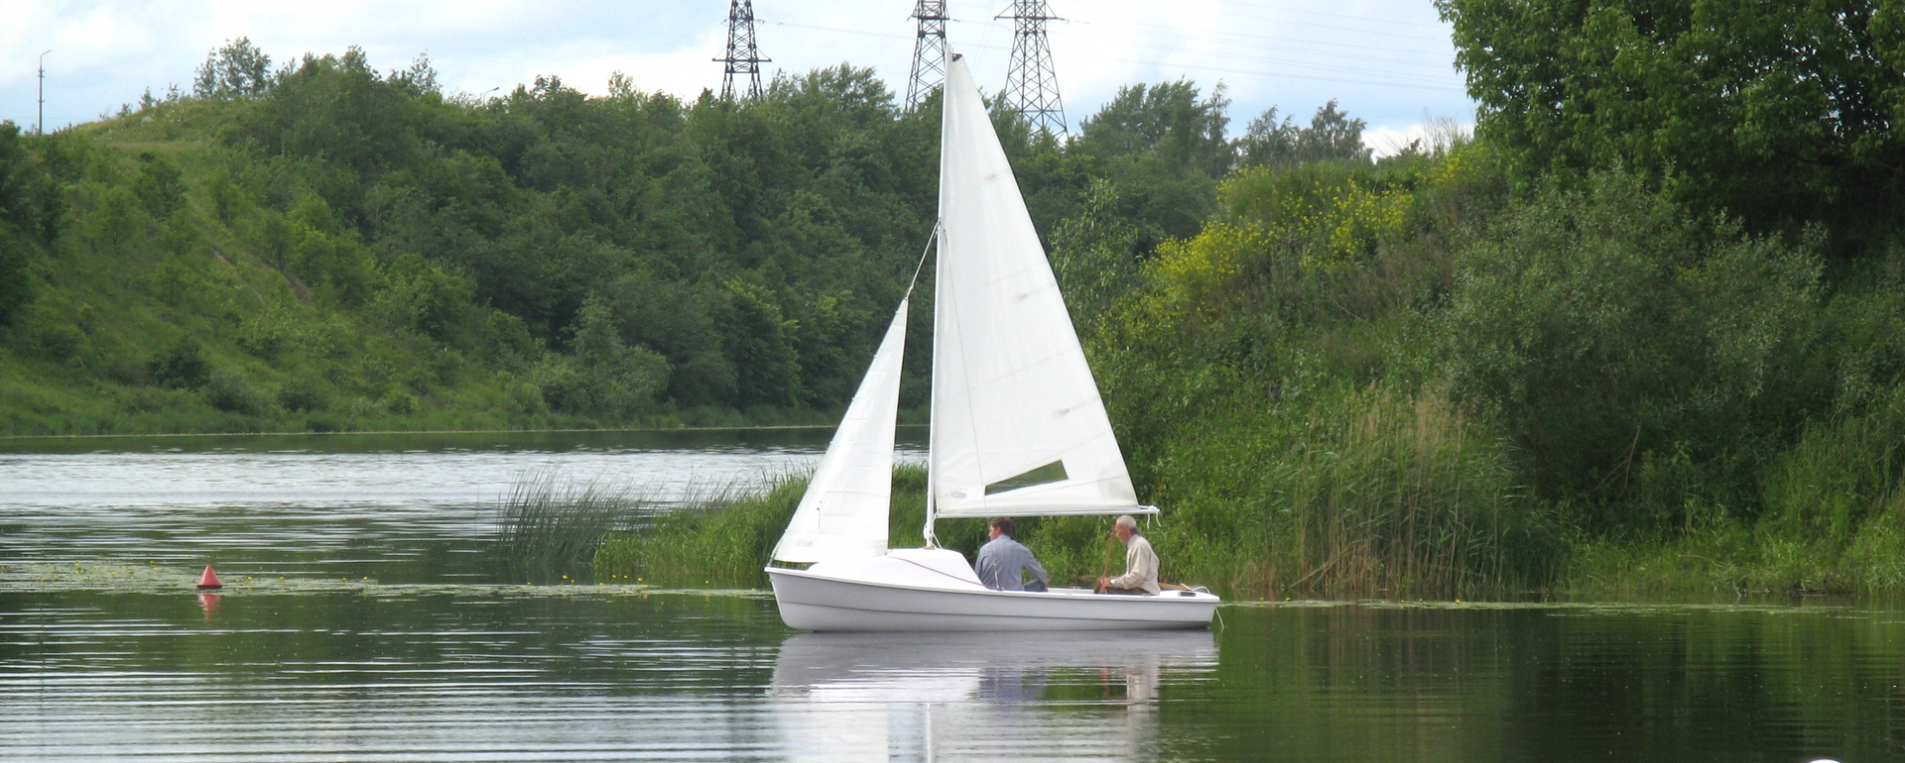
1140, 562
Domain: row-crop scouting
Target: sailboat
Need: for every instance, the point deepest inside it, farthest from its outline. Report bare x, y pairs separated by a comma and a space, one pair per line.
1017, 429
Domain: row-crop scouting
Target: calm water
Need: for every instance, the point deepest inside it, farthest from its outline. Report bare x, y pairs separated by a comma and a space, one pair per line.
107, 653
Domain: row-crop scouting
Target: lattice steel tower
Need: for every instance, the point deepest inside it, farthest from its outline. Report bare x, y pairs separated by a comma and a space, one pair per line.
929, 52
1031, 82
744, 57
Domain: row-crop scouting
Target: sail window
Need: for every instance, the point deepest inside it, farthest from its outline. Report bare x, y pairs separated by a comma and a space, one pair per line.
1044, 475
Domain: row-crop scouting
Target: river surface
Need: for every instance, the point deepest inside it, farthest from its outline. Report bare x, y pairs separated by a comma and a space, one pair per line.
359, 623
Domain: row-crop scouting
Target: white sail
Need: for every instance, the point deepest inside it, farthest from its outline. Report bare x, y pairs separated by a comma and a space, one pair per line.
1018, 425
843, 513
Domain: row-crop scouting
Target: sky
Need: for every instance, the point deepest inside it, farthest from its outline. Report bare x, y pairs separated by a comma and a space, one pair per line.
1388, 62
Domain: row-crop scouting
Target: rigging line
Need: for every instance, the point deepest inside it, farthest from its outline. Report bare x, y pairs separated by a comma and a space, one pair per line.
930, 237
941, 572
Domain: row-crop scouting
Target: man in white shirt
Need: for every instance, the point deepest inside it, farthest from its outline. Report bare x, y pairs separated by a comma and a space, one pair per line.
1003, 561
1140, 562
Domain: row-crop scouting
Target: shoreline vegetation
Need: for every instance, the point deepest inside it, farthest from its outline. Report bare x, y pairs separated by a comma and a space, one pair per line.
1643, 332
723, 538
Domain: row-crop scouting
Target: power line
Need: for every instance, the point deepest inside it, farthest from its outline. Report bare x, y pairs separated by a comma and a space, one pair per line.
1389, 79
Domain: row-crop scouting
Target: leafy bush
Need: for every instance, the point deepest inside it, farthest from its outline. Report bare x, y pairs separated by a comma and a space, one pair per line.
16, 275
182, 364
230, 392
1605, 328
304, 394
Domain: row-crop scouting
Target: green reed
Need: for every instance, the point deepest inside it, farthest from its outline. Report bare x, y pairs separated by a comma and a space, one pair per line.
549, 529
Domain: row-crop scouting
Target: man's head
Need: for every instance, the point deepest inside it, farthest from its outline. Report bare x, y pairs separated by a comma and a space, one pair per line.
1125, 527
999, 526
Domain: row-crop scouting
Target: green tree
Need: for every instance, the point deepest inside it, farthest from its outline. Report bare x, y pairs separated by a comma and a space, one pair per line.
766, 364
160, 186
1095, 255
1164, 145
16, 276
1779, 114
1332, 135
604, 376
236, 70
1609, 332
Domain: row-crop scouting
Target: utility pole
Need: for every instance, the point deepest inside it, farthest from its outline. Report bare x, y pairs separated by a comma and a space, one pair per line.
41, 128
1031, 82
929, 52
744, 57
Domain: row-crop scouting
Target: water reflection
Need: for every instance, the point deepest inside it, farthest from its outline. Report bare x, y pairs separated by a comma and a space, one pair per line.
979, 696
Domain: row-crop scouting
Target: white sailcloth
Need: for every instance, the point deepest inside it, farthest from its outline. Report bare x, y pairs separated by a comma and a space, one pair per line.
843, 513
1018, 425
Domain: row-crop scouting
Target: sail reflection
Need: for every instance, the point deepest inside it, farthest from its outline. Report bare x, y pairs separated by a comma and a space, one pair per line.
980, 696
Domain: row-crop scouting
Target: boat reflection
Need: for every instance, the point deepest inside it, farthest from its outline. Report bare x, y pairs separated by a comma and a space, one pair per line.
979, 696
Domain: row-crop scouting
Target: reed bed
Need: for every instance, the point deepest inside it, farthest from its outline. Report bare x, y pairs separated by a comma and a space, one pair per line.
549, 530
724, 536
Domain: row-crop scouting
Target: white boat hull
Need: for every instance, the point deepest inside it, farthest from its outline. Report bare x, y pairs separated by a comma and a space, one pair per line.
858, 599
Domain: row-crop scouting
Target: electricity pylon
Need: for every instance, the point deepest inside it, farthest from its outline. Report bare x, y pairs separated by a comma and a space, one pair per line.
1031, 82
744, 57
929, 52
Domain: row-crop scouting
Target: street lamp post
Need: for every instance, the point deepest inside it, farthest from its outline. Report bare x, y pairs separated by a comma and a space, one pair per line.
41, 128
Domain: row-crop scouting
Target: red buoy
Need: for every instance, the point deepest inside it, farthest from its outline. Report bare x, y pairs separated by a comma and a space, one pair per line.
209, 579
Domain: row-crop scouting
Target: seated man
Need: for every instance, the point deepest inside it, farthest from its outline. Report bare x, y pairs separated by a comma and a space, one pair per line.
1140, 562
1003, 561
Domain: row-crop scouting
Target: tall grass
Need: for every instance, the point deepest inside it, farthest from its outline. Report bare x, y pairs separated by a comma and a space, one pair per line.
1400, 498
724, 537
1409, 501
1352, 492
549, 530
720, 537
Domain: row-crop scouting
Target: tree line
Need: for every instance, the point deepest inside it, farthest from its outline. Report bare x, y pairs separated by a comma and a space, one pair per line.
617, 256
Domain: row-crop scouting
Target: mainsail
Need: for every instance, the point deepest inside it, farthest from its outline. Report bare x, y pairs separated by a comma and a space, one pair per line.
843, 513
1018, 427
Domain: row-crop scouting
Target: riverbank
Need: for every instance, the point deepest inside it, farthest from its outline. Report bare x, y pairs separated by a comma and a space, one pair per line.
724, 541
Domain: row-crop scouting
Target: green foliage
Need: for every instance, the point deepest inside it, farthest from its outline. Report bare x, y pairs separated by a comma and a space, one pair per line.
1095, 255
16, 275
549, 530
1267, 398
1164, 145
722, 539
1779, 116
237, 70
231, 393
605, 378
304, 394
767, 366
182, 364
1332, 135
1609, 331
160, 189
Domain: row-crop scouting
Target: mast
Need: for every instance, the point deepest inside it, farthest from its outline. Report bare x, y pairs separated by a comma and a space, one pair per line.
932, 432
932, 398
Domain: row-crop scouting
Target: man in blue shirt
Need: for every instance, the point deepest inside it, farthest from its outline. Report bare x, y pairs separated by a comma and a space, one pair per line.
1003, 561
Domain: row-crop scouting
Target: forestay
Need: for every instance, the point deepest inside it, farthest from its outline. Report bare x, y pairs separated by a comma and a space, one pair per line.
843, 513
1018, 425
